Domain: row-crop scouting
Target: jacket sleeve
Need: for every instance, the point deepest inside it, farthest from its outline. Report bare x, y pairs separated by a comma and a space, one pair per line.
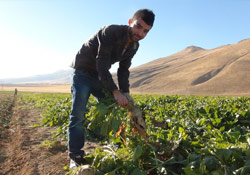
106, 38
123, 75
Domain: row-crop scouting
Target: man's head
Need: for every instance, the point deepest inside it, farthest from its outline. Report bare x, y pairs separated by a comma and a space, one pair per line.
141, 23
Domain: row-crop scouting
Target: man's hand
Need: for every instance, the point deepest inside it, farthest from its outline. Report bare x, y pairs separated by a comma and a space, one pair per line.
121, 99
130, 99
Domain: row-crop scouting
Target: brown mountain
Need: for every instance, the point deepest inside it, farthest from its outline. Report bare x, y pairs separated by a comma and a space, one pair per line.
221, 71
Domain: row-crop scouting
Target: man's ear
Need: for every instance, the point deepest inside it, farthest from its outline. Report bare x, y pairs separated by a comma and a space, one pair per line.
130, 21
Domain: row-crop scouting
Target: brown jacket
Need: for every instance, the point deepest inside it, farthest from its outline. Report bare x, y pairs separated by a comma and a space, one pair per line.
109, 45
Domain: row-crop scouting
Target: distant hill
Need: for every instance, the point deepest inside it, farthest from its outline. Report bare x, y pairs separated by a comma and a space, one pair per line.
59, 77
221, 71
224, 70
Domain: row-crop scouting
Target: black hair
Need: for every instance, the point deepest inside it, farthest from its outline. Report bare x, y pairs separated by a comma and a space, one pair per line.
146, 15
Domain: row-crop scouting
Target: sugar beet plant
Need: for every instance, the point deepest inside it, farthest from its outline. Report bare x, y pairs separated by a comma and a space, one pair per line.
188, 135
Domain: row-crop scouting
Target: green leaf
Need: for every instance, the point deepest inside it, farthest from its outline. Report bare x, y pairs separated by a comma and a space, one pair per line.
217, 172
190, 171
224, 154
211, 163
104, 129
194, 161
115, 124
247, 163
218, 120
248, 152
137, 152
222, 128
248, 140
137, 171
193, 157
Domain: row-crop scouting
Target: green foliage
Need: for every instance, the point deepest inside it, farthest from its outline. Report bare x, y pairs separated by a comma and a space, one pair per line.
105, 118
53, 145
201, 135
55, 110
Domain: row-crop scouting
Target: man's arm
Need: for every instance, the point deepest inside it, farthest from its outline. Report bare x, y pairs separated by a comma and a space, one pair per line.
123, 78
103, 64
123, 75
106, 39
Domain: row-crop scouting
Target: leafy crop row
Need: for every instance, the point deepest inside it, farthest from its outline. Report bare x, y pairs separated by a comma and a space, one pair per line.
187, 134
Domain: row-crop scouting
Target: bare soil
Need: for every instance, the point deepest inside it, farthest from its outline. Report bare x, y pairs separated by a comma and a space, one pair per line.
22, 150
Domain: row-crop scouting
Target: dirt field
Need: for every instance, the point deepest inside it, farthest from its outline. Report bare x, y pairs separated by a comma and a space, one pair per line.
65, 88
22, 151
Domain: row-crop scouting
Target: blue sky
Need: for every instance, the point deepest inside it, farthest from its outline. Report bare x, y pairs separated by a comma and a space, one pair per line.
43, 36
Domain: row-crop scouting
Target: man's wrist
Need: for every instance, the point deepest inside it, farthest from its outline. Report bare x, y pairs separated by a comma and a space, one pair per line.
115, 92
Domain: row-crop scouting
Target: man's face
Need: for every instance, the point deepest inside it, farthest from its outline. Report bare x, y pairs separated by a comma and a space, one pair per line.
139, 29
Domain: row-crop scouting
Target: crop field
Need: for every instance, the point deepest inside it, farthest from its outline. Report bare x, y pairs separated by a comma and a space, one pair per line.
189, 135
6, 104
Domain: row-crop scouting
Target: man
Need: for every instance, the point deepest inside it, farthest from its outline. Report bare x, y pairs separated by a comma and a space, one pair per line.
113, 43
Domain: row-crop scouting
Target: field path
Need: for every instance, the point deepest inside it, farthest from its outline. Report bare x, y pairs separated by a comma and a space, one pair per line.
21, 147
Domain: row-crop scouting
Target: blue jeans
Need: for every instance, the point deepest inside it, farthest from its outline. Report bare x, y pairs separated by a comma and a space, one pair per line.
83, 84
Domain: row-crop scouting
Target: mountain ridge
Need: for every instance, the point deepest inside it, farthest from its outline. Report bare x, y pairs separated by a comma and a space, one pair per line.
199, 72
58, 77
223, 70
